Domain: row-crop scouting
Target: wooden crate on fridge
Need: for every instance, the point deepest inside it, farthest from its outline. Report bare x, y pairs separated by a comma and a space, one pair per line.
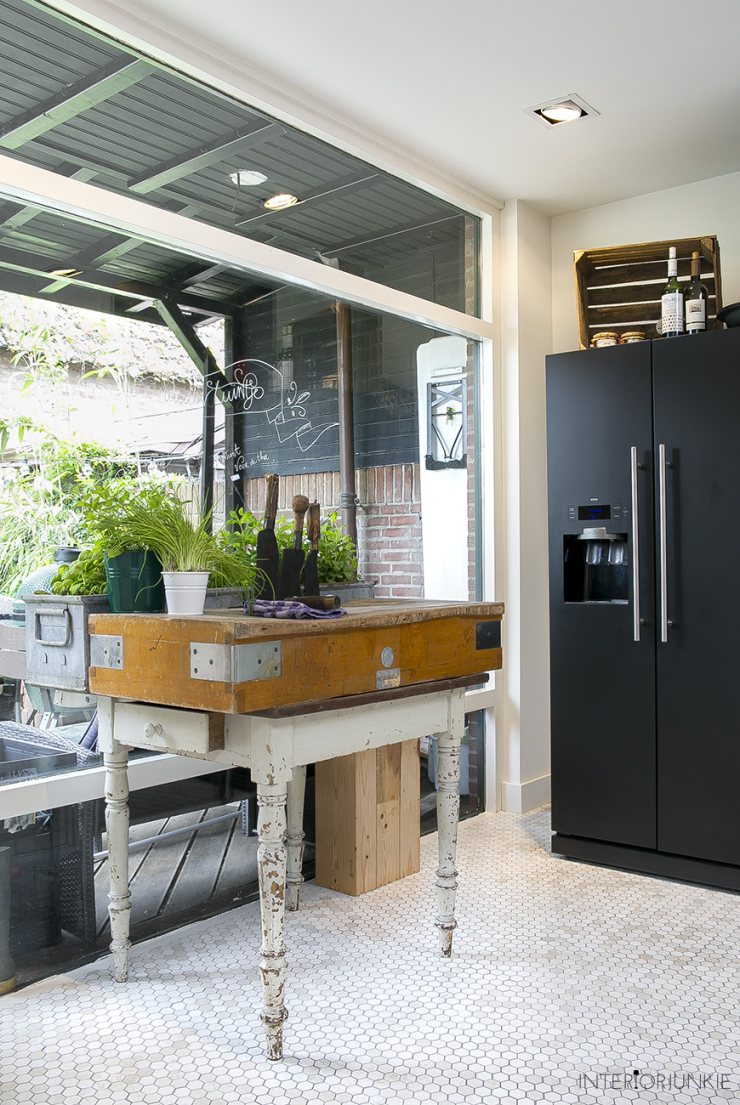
620, 288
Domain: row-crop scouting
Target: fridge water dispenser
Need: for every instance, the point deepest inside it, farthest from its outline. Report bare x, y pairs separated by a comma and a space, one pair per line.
595, 566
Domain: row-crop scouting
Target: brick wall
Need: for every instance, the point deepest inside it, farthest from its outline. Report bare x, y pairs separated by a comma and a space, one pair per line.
389, 530
388, 520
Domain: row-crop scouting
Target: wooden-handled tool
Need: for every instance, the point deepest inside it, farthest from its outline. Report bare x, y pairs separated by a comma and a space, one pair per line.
319, 602
311, 569
290, 569
268, 554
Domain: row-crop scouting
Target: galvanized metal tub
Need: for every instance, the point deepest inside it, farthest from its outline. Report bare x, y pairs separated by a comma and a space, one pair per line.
57, 639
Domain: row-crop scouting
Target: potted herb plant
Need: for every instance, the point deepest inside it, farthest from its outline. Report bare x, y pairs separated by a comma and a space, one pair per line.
188, 552
337, 559
133, 573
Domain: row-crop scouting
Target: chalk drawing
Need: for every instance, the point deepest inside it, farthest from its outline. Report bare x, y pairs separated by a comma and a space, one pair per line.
260, 388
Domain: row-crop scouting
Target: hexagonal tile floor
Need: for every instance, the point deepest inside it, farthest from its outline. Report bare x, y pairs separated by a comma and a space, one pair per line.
569, 983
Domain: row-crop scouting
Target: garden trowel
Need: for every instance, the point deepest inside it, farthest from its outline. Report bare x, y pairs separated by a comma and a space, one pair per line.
290, 569
268, 554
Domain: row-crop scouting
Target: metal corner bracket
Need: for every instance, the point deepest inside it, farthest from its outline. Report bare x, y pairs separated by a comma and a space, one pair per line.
236, 663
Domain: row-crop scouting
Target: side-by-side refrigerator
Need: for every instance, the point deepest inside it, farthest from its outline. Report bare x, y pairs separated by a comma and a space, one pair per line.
644, 516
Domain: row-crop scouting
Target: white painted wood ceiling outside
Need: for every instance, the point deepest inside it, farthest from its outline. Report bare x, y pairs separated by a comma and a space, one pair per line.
449, 82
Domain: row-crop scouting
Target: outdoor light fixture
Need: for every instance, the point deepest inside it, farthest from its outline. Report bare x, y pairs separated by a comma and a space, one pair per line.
562, 109
65, 272
247, 178
277, 203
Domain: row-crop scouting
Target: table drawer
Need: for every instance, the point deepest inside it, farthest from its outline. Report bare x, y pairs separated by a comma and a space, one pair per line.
164, 730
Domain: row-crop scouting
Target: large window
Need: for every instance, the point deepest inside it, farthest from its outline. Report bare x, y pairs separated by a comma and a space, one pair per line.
84, 106
407, 345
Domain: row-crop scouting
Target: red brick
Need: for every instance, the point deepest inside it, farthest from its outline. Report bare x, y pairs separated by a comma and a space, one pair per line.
373, 489
400, 520
398, 484
362, 485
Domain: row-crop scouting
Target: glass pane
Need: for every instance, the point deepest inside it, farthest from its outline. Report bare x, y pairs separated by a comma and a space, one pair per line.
298, 349
192, 853
29, 753
82, 105
471, 775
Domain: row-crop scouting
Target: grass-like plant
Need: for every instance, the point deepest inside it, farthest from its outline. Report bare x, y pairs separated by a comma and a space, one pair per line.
158, 519
32, 525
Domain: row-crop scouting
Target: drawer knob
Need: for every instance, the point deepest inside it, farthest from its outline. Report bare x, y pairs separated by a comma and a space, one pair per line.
152, 729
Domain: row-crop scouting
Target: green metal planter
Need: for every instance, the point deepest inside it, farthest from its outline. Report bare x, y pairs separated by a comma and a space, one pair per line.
135, 582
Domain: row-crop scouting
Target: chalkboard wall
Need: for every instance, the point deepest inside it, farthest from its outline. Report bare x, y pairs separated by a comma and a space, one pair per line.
291, 423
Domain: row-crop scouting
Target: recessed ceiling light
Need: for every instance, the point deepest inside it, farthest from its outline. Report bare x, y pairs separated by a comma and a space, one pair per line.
65, 272
247, 178
567, 112
562, 109
277, 203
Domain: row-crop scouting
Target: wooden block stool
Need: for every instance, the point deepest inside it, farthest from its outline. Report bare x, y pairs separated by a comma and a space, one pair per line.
367, 818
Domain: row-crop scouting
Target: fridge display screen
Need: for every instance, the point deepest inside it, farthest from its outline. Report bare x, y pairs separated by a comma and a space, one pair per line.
593, 511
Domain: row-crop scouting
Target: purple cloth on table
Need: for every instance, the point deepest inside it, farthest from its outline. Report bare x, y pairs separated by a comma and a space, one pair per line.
286, 608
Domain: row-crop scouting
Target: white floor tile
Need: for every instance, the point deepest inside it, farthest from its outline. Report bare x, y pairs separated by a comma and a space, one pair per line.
566, 979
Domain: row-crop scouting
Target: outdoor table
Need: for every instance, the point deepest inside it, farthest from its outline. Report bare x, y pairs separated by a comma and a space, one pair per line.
273, 696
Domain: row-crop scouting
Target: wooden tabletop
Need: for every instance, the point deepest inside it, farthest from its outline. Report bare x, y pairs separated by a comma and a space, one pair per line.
232, 624
379, 644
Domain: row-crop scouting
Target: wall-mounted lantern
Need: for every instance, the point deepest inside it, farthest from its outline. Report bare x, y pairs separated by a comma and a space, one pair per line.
447, 428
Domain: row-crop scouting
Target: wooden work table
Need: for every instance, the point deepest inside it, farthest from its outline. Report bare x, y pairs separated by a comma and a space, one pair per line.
274, 695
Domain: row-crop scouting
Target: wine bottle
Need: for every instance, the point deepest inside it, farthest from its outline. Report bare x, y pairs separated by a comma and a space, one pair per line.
671, 314
695, 299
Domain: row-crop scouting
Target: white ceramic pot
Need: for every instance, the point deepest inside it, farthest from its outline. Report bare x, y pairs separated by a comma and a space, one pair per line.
185, 591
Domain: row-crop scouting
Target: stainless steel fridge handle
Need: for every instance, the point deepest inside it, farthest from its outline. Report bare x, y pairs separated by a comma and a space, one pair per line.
664, 623
635, 547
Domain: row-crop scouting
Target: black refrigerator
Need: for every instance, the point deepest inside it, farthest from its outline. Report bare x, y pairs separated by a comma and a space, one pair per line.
644, 519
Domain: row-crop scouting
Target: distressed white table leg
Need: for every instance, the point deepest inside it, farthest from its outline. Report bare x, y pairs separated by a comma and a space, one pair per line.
296, 795
271, 861
117, 827
448, 813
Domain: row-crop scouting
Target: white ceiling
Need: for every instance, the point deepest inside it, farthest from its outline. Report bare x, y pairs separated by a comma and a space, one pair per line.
449, 81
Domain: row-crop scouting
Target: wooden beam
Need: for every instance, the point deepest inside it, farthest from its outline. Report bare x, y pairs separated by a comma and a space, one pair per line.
16, 260
192, 161
200, 355
107, 248
24, 215
213, 383
20, 218
86, 93
200, 304
201, 276
27, 283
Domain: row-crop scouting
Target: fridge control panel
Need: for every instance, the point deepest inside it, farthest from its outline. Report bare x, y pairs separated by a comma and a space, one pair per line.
593, 512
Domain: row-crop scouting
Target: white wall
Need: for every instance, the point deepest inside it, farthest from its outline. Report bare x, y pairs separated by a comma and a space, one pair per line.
691, 210
523, 719
538, 316
443, 492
